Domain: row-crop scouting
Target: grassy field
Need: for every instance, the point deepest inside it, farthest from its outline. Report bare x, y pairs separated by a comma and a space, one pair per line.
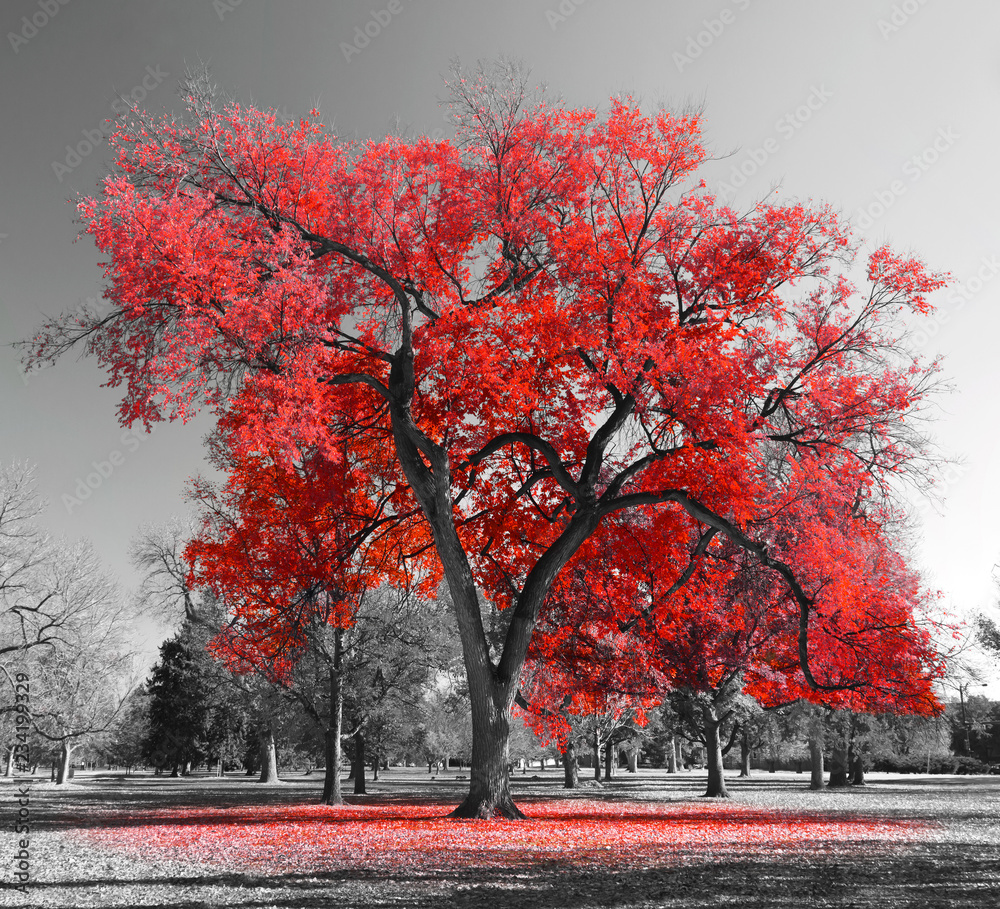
644, 840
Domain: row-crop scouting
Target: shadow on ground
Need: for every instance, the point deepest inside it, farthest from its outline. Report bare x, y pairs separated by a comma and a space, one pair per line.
930, 878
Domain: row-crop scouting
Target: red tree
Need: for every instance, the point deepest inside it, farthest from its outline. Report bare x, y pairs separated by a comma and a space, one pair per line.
552, 320
621, 622
293, 550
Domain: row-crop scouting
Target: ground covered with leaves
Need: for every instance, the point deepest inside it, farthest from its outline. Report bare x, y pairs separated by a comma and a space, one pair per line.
645, 840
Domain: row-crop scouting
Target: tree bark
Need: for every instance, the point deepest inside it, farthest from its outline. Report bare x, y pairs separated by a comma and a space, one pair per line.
672, 755
633, 761
571, 767
62, 773
359, 763
268, 755
816, 780
745, 753
332, 793
857, 770
609, 761
713, 752
489, 788
10, 761
838, 767
595, 745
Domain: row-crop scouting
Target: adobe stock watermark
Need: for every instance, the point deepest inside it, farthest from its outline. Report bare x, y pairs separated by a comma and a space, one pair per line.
901, 14
440, 132
913, 169
22, 763
785, 129
557, 15
224, 7
713, 29
948, 479
31, 26
103, 469
92, 138
958, 296
378, 21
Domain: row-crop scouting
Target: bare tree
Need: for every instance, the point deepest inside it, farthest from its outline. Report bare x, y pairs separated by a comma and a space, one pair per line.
80, 682
158, 551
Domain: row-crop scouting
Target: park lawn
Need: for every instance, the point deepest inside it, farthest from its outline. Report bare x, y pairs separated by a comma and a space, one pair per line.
646, 840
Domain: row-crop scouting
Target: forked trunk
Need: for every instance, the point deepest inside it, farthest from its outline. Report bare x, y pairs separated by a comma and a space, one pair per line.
713, 753
492, 687
571, 767
268, 756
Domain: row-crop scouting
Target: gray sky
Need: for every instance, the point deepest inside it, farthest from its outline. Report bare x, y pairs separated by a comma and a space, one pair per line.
886, 110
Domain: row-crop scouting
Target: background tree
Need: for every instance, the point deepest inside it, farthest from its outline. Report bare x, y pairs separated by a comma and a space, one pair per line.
80, 680
53, 596
195, 712
126, 739
289, 548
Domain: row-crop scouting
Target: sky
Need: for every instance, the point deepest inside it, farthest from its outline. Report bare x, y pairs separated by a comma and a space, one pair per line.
888, 111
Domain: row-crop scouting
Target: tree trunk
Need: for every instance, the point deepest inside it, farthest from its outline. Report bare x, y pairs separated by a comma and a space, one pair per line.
596, 747
745, 753
62, 774
816, 780
489, 788
359, 763
609, 761
376, 764
713, 753
492, 687
633, 761
857, 770
838, 767
672, 755
268, 755
571, 767
10, 761
332, 794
